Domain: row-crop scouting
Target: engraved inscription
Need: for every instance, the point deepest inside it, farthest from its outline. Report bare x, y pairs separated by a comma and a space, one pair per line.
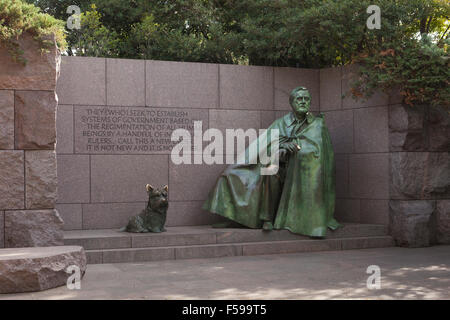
130, 130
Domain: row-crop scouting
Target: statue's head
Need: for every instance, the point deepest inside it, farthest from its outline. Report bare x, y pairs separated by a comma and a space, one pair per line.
300, 100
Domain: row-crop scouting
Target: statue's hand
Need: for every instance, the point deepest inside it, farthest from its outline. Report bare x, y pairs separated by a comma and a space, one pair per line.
290, 147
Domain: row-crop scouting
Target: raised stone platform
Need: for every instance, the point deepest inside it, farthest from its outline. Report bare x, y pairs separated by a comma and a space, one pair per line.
38, 268
113, 246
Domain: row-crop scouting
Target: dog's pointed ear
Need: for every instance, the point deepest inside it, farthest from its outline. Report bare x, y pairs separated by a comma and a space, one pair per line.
166, 187
149, 188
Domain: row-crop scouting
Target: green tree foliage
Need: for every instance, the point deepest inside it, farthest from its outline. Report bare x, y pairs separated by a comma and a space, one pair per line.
17, 17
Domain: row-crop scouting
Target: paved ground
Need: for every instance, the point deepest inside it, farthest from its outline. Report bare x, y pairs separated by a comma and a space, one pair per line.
405, 274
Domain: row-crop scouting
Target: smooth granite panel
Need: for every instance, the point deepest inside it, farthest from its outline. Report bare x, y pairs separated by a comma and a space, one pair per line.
369, 176
287, 79
349, 74
82, 81
109, 215
125, 82
2, 229
12, 189
208, 251
138, 255
122, 178
340, 126
182, 84
6, 119
267, 118
375, 211
73, 178
330, 89
246, 87
189, 213
347, 210
371, 130
71, 215
192, 182
342, 176
64, 129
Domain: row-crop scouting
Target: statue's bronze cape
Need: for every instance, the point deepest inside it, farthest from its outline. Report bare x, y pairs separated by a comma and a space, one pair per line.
300, 198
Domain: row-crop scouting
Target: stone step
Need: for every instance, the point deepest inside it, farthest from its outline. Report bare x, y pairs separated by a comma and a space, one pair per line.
202, 235
234, 249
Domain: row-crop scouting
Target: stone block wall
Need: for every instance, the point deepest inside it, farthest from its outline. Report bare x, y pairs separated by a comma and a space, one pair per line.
28, 183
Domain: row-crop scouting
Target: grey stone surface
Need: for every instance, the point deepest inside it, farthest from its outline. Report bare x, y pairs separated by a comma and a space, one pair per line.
82, 81
181, 84
407, 128
33, 228
64, 129
349, 74
330, 89
208, 251
369, 176
278, 247
12, 180
192, 182
364, 243
131, 175
6, 119
443, 221
94, 257
37, 269
371, 130
340, 126
40, 179
410, 222
374, 211
246, 87
439, 129
110, 215
342, 176
420, 175
39, 73
2, 229
137, 255
189, 213
125, 82
109, 239
267, 118
73, 178
165, 239
71, 215
35, 121
287, 79
347, 210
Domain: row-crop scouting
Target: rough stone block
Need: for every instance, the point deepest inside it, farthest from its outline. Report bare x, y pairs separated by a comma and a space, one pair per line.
64, 129
181, 84
407, 128
189, 213
410, 222
443, 221
246, 87
110, 215
125, 82
6, 119
347, 210
342, 176
35, 121
123, 178
73, 178
33, 228
82, 81
330, 89
37, 269
39, 73
12, 190
371, 130
286, 79
349, 74
2, 229
374, 211
420, 175
439, 129
40, 179
192, 182
71, 215
340, 126
369, 176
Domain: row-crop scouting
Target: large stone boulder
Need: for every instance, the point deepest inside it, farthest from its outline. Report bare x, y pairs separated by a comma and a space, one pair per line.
37, 269
33, 228
443, 221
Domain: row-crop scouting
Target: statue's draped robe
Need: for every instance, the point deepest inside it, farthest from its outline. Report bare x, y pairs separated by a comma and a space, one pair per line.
300, 197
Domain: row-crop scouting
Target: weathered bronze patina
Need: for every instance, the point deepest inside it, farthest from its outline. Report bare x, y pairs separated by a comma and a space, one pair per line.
152, 218
301, 196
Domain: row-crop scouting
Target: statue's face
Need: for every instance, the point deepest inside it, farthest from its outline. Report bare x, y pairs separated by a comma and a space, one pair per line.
300, 102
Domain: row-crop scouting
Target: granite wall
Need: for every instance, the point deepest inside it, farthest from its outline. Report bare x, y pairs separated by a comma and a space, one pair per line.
28, 183
101, 182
